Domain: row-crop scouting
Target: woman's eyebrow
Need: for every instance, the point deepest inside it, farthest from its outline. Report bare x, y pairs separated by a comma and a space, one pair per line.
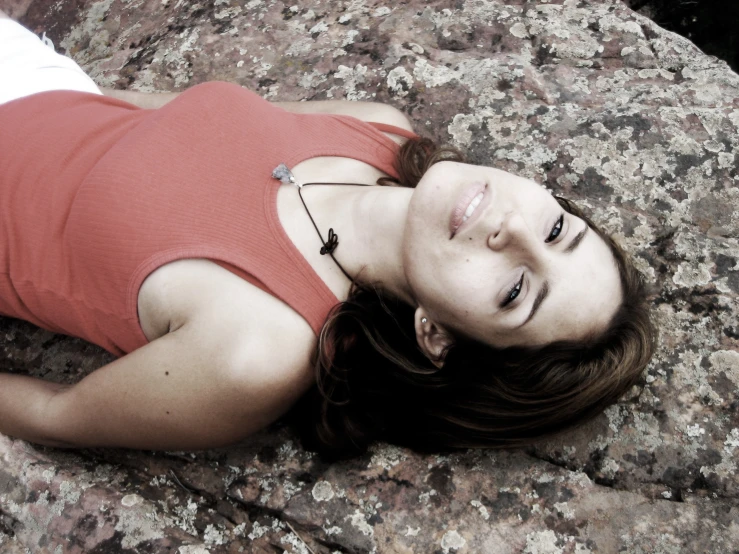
577, 240
540, 296
544, 290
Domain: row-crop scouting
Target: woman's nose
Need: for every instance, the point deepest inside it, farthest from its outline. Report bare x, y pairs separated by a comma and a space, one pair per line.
511, 230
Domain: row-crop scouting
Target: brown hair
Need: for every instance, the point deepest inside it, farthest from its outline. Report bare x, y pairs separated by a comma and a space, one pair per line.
374, 383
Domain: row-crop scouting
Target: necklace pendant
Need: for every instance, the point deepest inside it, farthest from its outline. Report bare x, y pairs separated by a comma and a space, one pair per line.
330, 245
284, 175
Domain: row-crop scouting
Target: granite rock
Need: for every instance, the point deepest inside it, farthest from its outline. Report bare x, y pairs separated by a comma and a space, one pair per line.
587, 97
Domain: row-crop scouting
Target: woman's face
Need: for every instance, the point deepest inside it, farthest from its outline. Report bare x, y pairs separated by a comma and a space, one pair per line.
494, 257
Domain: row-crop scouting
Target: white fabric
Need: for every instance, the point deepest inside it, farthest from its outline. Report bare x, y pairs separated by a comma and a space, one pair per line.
28, 66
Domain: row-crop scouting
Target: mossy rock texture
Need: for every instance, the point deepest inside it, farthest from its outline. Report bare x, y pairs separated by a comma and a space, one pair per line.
585, 96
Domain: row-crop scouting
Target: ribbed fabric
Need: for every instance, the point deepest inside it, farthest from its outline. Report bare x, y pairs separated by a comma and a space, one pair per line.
95, 194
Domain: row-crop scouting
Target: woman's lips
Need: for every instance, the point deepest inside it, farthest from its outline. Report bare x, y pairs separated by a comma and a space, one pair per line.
456, 221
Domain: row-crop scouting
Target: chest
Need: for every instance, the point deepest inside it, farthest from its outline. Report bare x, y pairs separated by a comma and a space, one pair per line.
175, 291
296, 221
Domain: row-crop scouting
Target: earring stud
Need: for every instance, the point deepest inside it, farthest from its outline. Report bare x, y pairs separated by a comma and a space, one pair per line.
424, 320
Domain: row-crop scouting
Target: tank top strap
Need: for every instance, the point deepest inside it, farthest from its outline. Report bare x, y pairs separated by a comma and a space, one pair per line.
318, 135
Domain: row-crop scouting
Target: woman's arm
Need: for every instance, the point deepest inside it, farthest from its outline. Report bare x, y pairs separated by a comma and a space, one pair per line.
23, 402
179, 392
366, 111
146, 100
376, 112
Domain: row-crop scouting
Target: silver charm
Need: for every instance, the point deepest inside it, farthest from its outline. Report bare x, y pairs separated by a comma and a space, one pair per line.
282, 173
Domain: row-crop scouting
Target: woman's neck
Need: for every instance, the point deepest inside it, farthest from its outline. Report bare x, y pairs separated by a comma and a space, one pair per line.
369, 222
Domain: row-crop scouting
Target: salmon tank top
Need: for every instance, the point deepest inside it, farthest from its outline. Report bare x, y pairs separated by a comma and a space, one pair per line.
95, 194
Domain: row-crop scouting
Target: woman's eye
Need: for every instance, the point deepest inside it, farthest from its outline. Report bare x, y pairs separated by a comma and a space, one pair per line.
556, 230
513, 293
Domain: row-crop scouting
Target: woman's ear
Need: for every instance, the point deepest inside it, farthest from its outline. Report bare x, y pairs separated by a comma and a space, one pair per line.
431, 337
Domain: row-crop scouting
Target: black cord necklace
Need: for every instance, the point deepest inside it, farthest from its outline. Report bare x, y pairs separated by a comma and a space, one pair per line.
284, 174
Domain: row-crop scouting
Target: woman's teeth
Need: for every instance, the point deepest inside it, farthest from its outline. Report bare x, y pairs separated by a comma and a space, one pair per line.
473, 205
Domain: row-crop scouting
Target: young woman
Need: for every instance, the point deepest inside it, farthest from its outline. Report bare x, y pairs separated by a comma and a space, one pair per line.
466, 307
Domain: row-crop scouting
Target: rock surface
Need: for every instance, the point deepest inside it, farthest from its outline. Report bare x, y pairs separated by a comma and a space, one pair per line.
587, 97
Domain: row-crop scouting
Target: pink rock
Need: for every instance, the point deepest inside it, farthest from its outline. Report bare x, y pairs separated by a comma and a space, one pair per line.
587, 97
